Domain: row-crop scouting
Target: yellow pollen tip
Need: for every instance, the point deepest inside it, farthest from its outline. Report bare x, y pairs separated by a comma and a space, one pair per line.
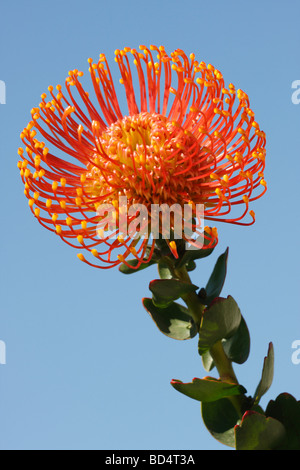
37, 161
132, 250
81, 257
121, 258
100, 233
95, 253
80, 239
58, 229
173, 248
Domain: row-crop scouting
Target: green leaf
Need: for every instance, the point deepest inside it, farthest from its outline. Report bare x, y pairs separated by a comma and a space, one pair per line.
220, 320
267, 375
123, 268
207, 389
166, 291
286, 409
163, 245
220, 417
236, 348
192, 255
164, 270
207, 361
174, 321
191, 266
216, 281
257, 432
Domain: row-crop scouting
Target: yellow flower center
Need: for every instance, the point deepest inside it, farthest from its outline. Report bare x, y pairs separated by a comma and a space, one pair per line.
144, 157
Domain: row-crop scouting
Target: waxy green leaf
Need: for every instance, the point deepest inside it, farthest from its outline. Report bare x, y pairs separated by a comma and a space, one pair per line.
163, 246
257, 432
164, 270
267, 375
166, 291
221, 320
174, 321
123, 268
207, 389
236, 348
192, 255
220, 417
216, 281
207, 361
286, 409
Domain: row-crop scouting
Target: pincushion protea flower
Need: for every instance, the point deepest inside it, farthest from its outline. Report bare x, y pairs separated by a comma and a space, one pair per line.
185, 139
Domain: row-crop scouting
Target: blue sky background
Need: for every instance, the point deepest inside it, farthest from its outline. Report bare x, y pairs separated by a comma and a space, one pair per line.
86, 367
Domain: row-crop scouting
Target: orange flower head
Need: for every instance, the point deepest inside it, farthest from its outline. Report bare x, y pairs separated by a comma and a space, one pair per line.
186, 139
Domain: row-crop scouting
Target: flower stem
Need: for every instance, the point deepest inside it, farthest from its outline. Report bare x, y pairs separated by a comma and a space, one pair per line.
195, 307
221, 361
227, 374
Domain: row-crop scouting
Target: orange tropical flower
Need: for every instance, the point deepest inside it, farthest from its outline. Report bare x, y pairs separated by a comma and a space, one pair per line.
184, 139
